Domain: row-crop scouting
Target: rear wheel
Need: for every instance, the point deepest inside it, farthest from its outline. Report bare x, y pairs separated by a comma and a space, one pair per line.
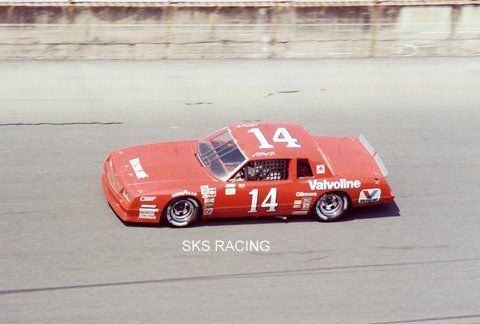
331, 206
182, 212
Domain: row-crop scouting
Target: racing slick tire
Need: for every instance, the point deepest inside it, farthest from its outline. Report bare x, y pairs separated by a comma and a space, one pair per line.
331, 206
181, 212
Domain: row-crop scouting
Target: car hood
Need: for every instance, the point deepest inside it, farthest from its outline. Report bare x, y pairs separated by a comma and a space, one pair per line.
155, 167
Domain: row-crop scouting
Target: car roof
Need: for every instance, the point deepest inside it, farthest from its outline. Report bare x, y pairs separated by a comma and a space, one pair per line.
248, 142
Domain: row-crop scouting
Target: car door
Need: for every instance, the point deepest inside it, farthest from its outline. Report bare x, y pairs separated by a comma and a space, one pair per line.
261, 188
304, 198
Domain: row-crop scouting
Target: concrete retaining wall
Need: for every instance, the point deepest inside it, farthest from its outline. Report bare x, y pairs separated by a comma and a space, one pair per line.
170, 31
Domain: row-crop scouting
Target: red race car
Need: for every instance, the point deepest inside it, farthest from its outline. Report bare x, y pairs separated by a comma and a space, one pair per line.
245, 170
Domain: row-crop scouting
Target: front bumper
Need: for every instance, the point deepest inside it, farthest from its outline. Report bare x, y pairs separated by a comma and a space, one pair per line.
126, 215
112, 200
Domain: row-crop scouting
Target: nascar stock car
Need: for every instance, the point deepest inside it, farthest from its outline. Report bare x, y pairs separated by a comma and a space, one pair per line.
245, 170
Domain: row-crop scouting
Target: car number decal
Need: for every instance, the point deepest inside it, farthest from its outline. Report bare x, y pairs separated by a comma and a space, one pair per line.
269, 202
281, 136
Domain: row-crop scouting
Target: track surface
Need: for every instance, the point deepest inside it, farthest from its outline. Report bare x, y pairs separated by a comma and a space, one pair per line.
65, 256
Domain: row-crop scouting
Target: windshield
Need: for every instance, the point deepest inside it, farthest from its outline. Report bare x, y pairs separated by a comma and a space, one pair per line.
220, 154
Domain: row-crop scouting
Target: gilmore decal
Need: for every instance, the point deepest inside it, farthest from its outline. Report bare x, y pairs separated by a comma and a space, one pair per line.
306, 194
340, 184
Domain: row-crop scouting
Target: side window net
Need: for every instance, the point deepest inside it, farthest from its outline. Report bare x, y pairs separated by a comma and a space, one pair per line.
267, 170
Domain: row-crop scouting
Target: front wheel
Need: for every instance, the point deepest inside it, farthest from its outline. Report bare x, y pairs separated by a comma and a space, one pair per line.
182, 212
331, 206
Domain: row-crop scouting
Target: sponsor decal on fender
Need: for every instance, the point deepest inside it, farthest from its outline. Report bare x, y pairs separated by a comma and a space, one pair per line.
320, 168
184, 193
230, 189
306, 203
300, 212
204, 189
369, 196
208, 195
147, 211
138, 169
297, 203
340, 184
209, 202
148, 198
207, 192
303, 203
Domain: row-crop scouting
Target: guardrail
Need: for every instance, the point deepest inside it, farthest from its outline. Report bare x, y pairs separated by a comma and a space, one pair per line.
193, 29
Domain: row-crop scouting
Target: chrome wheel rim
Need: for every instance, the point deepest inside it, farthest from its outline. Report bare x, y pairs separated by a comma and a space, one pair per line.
182, 210
330, 205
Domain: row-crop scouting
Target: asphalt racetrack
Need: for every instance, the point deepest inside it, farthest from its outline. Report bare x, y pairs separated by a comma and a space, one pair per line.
65, 256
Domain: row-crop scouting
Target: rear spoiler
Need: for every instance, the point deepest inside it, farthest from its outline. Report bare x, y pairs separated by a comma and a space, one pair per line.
374, 154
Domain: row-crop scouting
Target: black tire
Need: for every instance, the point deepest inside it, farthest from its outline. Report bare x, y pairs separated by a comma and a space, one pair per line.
181, 212
331, 206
